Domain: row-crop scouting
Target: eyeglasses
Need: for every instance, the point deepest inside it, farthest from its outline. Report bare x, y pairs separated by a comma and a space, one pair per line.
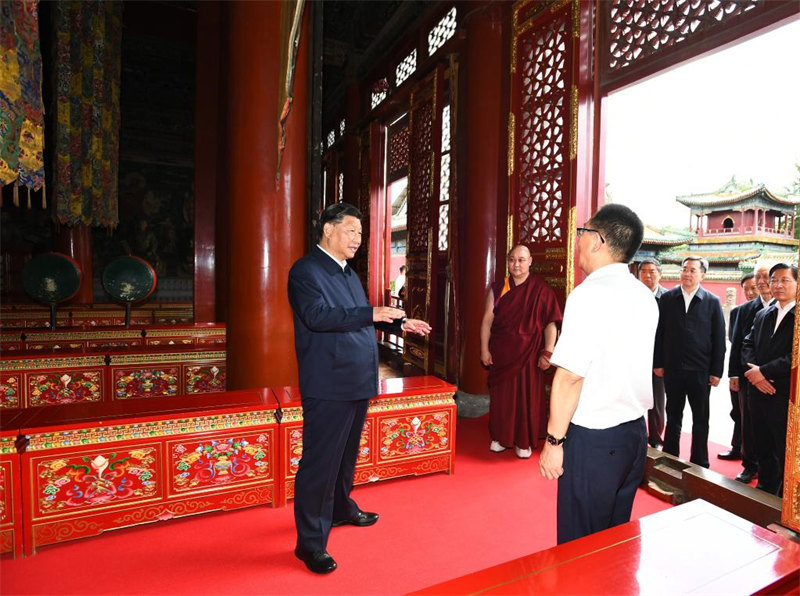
580, 232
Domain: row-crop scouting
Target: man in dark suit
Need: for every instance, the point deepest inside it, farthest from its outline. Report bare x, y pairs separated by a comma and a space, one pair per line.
650, 275
738, 382
767, 354
689, 354
748, 284
337, 358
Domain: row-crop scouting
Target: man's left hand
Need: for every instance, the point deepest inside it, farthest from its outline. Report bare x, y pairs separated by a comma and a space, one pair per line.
416, 326
713, 381
551, 461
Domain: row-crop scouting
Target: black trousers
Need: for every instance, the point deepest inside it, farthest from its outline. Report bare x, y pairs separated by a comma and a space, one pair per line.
736, 416
331, 439
680, 385
657, 414
602, 470
749, 453
770, 418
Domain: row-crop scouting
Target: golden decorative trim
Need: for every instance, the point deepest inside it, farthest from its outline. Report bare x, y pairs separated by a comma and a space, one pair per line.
103, 435
558, 5
8, 445
511, 145
385, 404
569, 274
428, 292
576, 19
509, 228
185, 333
573, 141
558, 283
50, 363
167, 357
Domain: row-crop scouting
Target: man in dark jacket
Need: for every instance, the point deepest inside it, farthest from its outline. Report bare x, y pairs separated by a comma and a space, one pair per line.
337, 358
767, 357
689, 354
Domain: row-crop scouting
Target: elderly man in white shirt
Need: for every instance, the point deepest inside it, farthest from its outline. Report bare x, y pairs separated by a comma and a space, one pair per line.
596, 436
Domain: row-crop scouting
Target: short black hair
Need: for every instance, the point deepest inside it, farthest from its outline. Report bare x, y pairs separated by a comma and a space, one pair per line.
650, 261
334, 214
622, 230
402, 268
781, 266
745, 277
703, 262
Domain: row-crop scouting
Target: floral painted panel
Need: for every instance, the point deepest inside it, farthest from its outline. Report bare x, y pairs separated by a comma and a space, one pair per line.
418, 434
9, 391
56, 388
75, 483
145, 382
223, 460
205, 379
5, 494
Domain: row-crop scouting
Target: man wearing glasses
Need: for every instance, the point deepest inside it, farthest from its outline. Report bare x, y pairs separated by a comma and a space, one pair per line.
690, 355
767, 358
596, 437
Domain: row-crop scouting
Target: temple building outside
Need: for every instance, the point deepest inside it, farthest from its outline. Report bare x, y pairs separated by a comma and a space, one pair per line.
733, 228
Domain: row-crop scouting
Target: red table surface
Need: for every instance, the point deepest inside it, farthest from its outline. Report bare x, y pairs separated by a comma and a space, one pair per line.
694, 548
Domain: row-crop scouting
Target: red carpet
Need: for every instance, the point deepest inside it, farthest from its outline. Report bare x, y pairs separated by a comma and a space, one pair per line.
494, 508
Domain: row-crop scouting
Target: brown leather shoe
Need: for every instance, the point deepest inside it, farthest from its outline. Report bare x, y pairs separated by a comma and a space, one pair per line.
318, 561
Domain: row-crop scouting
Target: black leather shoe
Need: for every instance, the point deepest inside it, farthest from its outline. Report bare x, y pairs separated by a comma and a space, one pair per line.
730, 455
746, 476
318, 561
362, 518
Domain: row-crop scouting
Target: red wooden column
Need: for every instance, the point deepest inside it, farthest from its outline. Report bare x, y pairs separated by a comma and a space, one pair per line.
484, 179
267, 218
76, 242
206, 150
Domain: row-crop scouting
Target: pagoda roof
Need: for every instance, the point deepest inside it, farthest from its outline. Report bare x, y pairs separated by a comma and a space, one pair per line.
665, 236
735, 194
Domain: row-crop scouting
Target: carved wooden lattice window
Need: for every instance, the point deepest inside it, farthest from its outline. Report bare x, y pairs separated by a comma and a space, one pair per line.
406, 68
444, 181
640, 31
341, 128
443, 31
331, 138
378, 97
543, 125
421, 175
397, 165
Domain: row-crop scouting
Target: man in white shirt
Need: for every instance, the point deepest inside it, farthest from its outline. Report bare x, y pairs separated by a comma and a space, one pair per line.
596, 437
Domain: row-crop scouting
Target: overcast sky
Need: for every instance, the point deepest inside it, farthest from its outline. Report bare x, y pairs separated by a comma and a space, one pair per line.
687, 131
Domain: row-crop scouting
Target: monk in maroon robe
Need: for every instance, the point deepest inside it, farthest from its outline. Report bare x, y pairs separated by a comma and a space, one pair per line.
518, 333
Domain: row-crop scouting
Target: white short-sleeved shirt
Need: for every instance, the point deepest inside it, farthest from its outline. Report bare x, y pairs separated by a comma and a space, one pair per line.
607, 338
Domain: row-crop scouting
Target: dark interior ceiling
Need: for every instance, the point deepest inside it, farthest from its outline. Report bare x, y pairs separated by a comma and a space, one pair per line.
357, 34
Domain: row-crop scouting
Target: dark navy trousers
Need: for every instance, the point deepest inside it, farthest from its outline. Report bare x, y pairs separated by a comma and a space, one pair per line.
602, 470
331, 440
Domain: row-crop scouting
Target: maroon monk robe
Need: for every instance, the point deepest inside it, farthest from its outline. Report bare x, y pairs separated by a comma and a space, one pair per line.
516, 385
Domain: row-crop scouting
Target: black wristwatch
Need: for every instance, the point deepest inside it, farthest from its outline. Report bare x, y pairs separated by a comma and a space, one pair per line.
553, 441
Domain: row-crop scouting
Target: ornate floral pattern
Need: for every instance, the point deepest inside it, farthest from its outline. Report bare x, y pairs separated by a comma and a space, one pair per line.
406, 436
220, 461
9, 391
205, 379
3, 495
81, 482
295, 449
145, 382
57, 388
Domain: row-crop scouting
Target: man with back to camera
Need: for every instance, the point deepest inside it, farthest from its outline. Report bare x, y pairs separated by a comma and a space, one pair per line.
337, 361
767, 355
744, 323
596, 438
650, 275
689, 354
748, 283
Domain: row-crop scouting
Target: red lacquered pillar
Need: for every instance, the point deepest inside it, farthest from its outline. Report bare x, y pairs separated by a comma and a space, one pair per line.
485, 179
267, 218
206, 151
76, 242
